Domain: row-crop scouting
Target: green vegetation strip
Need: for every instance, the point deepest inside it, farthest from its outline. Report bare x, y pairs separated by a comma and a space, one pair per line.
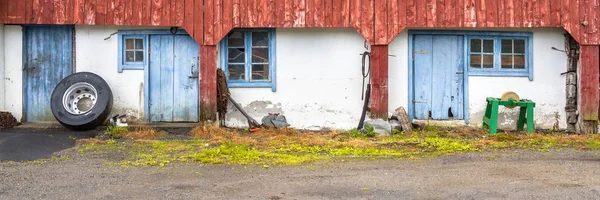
297, 150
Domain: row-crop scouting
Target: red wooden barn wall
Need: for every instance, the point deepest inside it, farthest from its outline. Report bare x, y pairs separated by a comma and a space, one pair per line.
379, 21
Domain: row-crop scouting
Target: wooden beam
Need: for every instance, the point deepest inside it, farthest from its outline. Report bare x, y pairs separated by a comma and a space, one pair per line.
588, 90
379, 81
208, 83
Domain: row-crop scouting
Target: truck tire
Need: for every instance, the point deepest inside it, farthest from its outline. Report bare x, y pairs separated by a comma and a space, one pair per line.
81, 101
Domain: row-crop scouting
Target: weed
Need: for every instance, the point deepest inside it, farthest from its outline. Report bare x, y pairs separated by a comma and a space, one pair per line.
143, 132
116, 131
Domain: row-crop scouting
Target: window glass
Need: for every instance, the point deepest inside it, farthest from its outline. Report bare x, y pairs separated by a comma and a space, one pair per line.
483, 53
248, 56
134, 50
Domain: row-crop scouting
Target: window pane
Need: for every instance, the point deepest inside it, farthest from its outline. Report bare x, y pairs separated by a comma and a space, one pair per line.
139, 56
237, 72
519, 62
488, 46
129, 56
236, 39
475, 45
260, 72
506, 46
129, 43
519, 46
507, 62
139, 44
488, 61
237, 55
260, 55
475, 61
260, 39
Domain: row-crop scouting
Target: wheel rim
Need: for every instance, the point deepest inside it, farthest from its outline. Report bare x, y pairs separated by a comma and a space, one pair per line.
80, 98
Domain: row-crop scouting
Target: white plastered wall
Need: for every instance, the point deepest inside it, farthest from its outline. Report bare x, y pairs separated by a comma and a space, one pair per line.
13, 70
547, 89
97, 55
318, 81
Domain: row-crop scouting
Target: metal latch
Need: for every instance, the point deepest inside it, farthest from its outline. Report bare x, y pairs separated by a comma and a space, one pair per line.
420, 52
419, 101
460, 72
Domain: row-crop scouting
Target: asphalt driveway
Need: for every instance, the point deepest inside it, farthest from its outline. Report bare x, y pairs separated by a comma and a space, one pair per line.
32, 144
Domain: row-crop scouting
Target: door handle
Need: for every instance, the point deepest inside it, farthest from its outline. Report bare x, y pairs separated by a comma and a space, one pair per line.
193, 74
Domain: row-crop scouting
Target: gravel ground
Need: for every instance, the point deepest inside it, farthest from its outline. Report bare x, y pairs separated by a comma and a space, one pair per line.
567, 174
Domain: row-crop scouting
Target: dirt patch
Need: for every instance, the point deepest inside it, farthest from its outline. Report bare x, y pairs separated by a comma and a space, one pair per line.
7, 120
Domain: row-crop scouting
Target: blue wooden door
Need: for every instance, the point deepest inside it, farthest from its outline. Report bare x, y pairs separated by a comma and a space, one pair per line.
173, 91
47, 59
438, 81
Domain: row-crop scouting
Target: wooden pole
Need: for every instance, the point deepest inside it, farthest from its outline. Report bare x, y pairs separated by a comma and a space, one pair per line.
588, 90
379, 81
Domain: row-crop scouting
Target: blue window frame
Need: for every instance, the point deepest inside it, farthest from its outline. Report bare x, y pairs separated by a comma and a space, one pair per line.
248, 58
500, 54
133, 51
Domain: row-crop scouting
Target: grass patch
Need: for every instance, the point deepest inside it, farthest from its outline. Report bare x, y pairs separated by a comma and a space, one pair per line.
213, 145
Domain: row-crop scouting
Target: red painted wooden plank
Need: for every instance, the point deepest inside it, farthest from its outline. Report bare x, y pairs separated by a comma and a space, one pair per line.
12, 12
509, 13
16, 11
501, 13
411, 12
235, 13
90, 12
178, 11
227, 17
393, 16
260, 10
379, 81
217, 21
584, 10
110, 12
345, 15
481, 13
381, 22
421, 14
244, 21
589, 82
188, 16
251, 12
355, 8
337, 13
288, 9
565, 17
271, 13
208, 22
544, 12
28, 11
280, 12
574, 16
328, 13
128, 12
402, 12
555, 9
432, 13
449, 14
440, 6
319, 14
166, 14
48, 13
198, 22
157, 10
299, 13
78, 12
528, 13
309, 19
367, 20
146, 12
470, 14
594, 16
100, 12
518, 11
491, 13
537, 15
59, 12
458, 9
119, 12
208, 78
4, 11
70, 8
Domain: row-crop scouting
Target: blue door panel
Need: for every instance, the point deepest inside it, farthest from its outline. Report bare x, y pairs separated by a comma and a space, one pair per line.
47, 59
173, 95
423, 75
438, 77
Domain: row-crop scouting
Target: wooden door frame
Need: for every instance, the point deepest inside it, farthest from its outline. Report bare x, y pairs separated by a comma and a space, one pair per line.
411, 59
